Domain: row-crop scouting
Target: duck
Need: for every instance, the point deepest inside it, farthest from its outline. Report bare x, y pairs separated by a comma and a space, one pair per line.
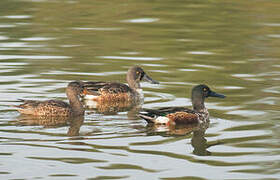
182, 115
102, 92
56, 107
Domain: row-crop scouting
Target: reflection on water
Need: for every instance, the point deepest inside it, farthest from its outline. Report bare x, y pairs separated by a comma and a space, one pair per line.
198, 140
199, 143
45, 121
112, 107
231, 45
74, 123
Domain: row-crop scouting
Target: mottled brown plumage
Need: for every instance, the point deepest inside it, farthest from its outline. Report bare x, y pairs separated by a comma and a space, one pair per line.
182, 118
110, 107
96, 88
56, 107
112, 91
44, 108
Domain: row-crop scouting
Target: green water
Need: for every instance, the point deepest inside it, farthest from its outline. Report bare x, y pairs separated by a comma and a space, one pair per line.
233, 46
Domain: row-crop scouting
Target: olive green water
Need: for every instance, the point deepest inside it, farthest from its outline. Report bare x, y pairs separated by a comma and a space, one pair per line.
233, 46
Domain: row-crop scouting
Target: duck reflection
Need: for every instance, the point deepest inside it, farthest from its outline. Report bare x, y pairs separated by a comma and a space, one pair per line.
74, 123
198, 141
112, 107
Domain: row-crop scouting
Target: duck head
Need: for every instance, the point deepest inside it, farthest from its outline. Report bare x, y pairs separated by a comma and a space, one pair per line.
199, 93
135, 75
75, 87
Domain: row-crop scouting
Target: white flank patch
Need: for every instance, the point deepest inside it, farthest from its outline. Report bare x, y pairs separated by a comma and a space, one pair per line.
91, 103
161, 120
91, 97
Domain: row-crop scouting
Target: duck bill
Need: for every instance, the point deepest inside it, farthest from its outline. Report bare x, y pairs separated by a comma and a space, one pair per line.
214, 94
149, 79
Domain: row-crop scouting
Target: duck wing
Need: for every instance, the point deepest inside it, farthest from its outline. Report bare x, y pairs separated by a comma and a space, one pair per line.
49, 107
165, 111
99, 87
34, 103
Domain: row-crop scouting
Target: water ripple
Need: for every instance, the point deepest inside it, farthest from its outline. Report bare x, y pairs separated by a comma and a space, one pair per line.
18, 44
200, 52
3, 38
131, 58
141, 20
177, 44
7, 25
37, 39
97, 29
207, 66
32, 57
246, 113
17, 16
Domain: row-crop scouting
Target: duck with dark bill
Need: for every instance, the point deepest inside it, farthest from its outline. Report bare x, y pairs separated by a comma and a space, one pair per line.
183, 115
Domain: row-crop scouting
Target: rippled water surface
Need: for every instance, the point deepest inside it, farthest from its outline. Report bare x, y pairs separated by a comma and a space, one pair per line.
233, 46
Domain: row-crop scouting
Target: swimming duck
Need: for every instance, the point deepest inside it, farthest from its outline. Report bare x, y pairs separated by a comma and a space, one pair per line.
182, 115
56, 107
113, 91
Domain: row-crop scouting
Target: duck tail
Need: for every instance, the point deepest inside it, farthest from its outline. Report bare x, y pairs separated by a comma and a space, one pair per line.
23, 103
18, 100
147, 118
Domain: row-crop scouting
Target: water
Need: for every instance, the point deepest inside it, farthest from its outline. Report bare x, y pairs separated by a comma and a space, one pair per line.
233, 46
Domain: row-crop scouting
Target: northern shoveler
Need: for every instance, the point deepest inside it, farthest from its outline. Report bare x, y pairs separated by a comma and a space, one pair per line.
113, 91
183, 115
56, 107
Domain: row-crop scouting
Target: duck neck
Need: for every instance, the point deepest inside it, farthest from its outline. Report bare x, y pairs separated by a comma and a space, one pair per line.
75, 103
132, 83
198, 103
